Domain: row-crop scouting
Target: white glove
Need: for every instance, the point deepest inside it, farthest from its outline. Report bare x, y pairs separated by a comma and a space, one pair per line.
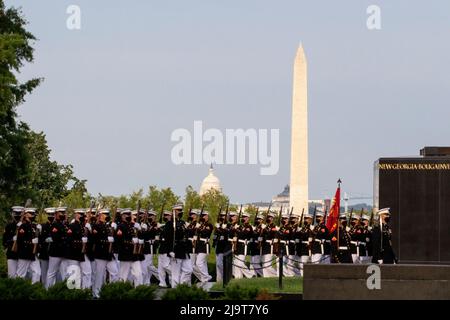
217, 225
88, 226
34, 241
156, 237
141, 241
84, 239
311, 227
367, 239
15, 238
172, 254
48, 240
135, 240
137, 226
260, 239
72, 221
39, 227
224, 225
144, 226
380, 261
110, 239
347, 229
158, 225
19, 223
309, 239
263, 226
198, 225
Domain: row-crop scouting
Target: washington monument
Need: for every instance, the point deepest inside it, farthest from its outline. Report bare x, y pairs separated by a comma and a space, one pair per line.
299, 135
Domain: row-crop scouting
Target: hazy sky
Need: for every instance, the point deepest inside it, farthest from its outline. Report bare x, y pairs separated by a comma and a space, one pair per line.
137, 70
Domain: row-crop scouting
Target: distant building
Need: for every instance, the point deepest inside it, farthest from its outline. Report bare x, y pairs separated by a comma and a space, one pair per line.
210, 182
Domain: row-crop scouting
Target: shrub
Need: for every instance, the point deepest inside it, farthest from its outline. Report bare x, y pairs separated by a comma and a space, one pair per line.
20, 289
265, 295
142, 292
185, 292
115, 291
235, 291
60, 291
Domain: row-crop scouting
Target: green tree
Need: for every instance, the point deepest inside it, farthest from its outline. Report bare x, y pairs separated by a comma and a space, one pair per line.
192, 199
213, 200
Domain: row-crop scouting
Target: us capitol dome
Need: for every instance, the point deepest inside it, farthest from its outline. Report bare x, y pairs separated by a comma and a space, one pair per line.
210, 182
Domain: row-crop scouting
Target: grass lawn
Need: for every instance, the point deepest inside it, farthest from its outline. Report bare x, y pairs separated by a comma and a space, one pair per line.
290, 285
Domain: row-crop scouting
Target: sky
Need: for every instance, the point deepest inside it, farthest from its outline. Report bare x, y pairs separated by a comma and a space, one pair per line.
137, 70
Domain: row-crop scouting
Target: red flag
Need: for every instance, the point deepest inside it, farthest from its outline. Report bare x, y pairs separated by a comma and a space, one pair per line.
333, 216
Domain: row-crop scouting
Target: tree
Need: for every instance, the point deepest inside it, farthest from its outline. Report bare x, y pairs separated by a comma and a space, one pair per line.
213, 200
192, 199
26, 170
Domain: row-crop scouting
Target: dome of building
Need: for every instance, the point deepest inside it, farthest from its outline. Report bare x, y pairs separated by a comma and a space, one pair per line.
210, 182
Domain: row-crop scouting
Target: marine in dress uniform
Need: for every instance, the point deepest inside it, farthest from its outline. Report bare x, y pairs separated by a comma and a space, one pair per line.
269, 241
305, 236
241, 234
27, 242
192, 226
103, 238
150, 232
255, 245
9, 237
383, 253
366, 237
354, 232
202, 249
321, 245
341, 244
128, 244
285, 234
221, 243
180, 262
44, 243
163, 252
294, 259
57, 250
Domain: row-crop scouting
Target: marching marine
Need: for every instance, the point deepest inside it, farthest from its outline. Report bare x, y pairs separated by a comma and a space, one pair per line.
221, 243
321, 245
383, 253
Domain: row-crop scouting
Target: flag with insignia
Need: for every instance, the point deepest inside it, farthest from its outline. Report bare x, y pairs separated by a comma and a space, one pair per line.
333, 215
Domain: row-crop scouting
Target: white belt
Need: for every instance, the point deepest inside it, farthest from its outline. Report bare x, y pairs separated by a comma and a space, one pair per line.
291, 241
284, 241
242, 241
306, 242
343, 248
204, 239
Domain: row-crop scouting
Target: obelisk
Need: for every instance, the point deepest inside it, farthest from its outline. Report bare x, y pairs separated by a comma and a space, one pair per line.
299, 136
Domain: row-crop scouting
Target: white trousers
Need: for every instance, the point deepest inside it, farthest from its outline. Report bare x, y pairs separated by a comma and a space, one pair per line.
44, 269
291, 266
255, 265
355, 258
148, 269
54, 266
163, 269
219, 267
320, 258
268, 270
181, 270
240, 270
200, 266
303, 261
365, 260
133, 268
22, 268
100, 274
12, 268
86, 273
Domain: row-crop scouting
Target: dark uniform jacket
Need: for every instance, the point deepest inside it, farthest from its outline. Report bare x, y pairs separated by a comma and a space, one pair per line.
360, 237
204, 234
7, 240
270, 236
322, 240
220, 238
341, 252
43, 245
151, 238
58, 235
124, 235
192, 237
243, 234
303, 236
75, 232
382, 245
285, 235
26, 232
255, 244
100, 243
